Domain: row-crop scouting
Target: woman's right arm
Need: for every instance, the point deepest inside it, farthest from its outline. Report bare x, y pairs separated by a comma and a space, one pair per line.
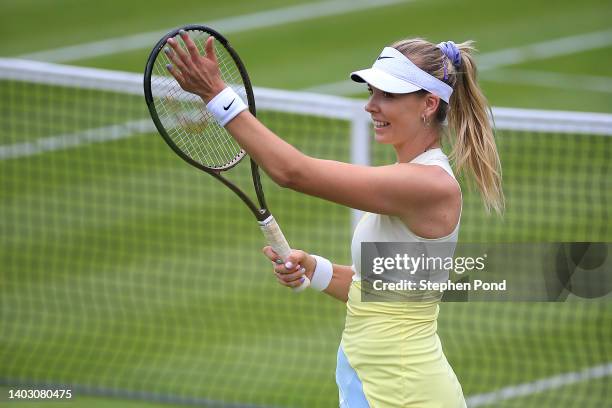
300, 263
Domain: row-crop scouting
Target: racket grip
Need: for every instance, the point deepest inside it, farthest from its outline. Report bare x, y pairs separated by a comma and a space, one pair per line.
279, 244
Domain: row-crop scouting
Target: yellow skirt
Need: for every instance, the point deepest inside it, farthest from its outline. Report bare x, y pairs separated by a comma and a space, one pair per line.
397, 355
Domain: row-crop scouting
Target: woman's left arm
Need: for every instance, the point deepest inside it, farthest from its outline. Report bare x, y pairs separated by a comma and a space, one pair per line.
383, 190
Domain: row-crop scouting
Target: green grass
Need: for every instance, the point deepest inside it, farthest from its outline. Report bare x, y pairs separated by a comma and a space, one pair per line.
128, 269
69, 22
324, 50
125, 269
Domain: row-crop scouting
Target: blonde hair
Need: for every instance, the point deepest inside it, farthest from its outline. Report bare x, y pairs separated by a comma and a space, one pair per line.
474, 151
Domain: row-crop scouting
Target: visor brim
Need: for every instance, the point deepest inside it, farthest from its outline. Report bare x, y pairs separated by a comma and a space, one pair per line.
384, 81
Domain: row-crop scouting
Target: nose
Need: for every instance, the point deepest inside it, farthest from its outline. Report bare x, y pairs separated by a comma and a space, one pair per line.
371, 106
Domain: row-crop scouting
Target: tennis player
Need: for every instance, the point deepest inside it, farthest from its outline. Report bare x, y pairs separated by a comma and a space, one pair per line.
390, 354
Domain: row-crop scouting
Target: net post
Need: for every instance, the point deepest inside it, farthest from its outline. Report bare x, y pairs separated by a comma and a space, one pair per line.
360, 146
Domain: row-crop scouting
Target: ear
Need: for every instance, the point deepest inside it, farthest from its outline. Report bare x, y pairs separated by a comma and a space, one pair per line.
431, 103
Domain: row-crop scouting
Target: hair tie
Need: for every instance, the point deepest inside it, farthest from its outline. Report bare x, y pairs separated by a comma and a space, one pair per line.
451, 51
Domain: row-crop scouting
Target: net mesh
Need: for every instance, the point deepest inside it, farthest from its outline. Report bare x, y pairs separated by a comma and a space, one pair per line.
189, 125
128, 273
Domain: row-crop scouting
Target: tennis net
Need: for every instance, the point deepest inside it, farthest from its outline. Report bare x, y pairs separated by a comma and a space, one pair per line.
126, 273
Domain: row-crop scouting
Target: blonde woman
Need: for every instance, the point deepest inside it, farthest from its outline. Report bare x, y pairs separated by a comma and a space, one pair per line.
390, 354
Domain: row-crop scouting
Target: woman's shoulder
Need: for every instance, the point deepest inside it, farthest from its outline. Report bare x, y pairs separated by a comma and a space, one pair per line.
441, 202
437, 182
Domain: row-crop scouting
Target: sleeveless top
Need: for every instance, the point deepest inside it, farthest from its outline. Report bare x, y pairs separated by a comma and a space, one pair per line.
393, 346
388, 228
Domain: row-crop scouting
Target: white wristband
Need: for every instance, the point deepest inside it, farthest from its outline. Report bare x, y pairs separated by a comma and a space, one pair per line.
225, 106
322, 274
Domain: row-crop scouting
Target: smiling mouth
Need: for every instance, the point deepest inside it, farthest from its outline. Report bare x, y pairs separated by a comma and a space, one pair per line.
378, 124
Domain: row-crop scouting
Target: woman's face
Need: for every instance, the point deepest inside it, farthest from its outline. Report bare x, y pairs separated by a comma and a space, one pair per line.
397, 117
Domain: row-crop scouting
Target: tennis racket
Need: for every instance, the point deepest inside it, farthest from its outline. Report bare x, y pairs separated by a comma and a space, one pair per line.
193, 134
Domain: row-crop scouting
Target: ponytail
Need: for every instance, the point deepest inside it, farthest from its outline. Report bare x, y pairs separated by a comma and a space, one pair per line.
474, 151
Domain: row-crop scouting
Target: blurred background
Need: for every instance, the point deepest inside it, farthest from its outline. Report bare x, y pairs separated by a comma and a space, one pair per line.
134, 280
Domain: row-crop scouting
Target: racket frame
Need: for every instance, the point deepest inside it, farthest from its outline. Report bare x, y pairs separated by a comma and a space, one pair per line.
260, 212
267, 223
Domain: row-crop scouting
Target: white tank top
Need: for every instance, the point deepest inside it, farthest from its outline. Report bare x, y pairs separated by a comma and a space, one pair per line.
387, 228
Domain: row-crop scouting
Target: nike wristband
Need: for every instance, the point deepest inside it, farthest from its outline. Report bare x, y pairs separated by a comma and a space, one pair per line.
225, 106
322, 274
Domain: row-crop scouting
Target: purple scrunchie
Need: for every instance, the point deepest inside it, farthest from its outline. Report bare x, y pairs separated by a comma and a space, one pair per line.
450, 50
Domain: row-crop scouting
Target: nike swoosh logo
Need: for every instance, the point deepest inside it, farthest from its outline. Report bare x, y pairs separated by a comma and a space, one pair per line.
228, 106
381, 57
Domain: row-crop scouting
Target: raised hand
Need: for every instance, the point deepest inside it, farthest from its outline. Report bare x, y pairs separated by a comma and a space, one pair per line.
195, 73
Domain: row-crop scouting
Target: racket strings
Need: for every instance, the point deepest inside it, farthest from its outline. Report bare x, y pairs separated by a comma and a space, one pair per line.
185, 117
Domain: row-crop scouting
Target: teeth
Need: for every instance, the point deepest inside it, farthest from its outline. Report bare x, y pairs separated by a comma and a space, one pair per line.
379, 124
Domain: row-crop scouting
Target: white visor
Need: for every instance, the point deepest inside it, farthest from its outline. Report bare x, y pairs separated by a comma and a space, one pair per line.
393, 72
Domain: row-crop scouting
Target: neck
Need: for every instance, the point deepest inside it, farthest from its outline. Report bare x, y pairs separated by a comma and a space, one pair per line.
409, 150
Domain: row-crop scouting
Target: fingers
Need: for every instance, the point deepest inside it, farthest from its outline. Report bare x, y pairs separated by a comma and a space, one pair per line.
177, 55
293, 284
175, 73
178, 50
192, 53
210, 48
273, 256
289, 273
191, 47
290, 284
287, 268
294, 258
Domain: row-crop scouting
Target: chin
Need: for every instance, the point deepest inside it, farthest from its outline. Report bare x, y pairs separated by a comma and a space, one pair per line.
382, 138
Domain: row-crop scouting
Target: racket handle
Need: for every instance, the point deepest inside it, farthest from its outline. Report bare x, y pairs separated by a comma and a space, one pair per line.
279, 244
